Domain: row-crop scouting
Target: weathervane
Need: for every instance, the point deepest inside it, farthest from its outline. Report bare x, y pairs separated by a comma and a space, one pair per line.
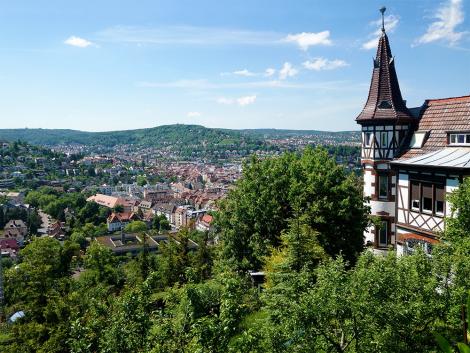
382, 11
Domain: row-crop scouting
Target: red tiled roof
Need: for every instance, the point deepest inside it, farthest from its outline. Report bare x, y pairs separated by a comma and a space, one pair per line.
207, 218
8, 243
438, 117
384, 101
122, 217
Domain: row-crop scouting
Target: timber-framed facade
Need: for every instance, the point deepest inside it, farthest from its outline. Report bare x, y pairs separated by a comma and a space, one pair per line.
412, 159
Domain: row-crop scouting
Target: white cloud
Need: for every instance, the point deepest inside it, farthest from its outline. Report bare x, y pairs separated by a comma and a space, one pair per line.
244, 73
241, 101
193, 114
319, 64
77, 42
391, 22
287, 70
307, 39
447, 18
269, 72
246, 100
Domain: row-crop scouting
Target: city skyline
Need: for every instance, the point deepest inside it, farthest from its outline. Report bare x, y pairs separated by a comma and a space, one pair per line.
100, 67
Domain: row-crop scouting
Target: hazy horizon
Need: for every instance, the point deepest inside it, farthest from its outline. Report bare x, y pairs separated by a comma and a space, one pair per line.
152, 127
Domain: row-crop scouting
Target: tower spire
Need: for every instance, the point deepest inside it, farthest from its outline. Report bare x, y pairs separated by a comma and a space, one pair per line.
382, 11
385, 101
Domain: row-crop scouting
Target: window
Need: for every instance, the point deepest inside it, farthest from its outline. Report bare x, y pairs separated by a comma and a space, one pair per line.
383, 234
415, 192
367, 139
384, 139
440, 199
427, 197
459, 139
383, 186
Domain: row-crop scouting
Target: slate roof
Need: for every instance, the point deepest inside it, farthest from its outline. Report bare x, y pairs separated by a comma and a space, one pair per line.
384, 101
439, 116
449, 157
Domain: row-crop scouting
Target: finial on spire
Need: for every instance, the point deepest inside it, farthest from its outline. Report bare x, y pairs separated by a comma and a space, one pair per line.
382, 11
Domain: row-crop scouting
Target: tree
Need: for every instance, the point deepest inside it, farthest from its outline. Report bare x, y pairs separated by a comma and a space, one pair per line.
141, 180
136, 227
273, 191
79, 238
160, 223
101, 265
34, 221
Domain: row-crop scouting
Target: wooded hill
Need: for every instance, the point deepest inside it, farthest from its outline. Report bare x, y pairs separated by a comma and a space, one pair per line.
178, 134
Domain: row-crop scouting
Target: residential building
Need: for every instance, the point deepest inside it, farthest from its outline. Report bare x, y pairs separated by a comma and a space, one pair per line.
412, 158
118, 220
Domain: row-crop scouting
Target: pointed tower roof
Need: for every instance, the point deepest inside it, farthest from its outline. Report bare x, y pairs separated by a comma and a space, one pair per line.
385, 101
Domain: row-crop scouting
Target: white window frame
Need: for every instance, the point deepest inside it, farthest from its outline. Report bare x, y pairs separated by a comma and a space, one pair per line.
454, 139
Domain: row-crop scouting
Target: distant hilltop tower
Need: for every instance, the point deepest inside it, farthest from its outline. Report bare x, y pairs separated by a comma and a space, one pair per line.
386, 122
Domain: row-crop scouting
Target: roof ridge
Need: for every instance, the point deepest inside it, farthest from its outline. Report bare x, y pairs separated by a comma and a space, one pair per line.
447, 99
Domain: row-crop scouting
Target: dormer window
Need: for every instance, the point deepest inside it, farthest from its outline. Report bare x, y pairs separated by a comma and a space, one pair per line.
385, 105
418, 139
459, 139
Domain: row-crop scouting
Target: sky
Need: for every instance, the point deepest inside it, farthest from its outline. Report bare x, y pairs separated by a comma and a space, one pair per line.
293, 64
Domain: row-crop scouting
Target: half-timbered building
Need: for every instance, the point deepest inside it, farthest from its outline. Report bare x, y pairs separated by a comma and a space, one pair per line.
412, 158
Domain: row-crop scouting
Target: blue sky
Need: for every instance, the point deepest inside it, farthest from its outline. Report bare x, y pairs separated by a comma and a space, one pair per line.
113, 65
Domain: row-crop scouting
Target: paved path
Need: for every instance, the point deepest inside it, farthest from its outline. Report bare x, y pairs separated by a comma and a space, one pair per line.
46, 222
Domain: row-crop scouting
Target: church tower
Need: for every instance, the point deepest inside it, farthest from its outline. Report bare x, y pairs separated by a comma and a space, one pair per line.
385, 123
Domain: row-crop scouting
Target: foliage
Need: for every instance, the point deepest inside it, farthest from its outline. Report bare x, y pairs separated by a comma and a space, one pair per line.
136, 227
320, 295
272, 191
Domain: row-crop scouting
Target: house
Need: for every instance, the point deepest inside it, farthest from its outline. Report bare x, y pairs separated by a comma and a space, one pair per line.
13, 197
203, 224
167, 210
118, 220
412, 158
112, 202
180, 217
56, 230
145, 205
15, 229
156, 195
8, 247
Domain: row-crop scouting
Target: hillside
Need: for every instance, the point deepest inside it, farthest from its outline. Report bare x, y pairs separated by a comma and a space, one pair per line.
182, 135
282, 133
155, 137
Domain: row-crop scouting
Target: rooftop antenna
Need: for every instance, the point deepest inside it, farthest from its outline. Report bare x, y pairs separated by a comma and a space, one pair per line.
382, 11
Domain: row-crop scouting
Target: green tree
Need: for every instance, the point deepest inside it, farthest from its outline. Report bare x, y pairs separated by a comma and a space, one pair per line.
136, 227
275, 190
101, 265
78, 238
